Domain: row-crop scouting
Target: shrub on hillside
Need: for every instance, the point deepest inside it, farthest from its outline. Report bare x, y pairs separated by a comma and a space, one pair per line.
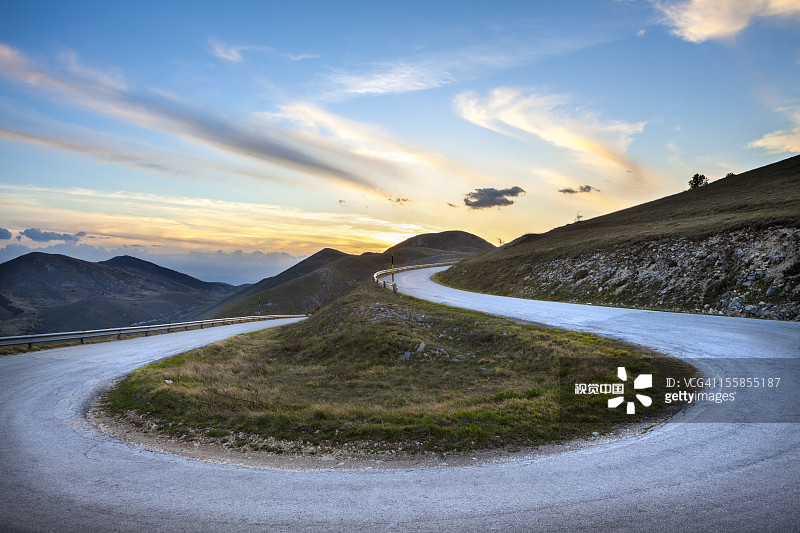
697, 181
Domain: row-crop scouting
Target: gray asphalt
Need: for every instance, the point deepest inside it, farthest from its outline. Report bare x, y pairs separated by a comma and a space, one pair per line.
58, 474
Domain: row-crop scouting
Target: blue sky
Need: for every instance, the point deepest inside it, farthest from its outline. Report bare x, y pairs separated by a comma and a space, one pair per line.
191, 133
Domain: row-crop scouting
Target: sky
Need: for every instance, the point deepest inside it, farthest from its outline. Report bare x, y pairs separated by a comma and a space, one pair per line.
231, 139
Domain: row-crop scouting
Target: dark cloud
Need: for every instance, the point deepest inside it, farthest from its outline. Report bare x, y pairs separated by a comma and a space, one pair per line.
398, 201
4, 234
490, 197
342, 203
452, 205
37, 235
582, 188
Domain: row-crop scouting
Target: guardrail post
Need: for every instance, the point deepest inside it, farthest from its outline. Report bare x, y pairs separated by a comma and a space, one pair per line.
83, 340
30, 346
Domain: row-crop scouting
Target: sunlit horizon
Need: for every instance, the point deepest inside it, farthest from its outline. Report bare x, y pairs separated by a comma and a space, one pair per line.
195, 134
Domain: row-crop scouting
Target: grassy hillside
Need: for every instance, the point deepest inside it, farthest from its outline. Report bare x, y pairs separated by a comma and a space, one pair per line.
709, 235
232, 302
455, 241
339, 276
768, 196
326, 284
102, 312
386, 372
152, 272
42, 293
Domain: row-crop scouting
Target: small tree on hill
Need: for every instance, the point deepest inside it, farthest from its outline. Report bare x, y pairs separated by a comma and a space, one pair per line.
697, 181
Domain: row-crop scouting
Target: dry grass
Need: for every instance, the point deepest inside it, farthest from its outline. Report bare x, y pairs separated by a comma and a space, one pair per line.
355, 371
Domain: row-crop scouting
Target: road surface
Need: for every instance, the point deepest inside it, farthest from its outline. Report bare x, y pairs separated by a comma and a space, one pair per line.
58, 474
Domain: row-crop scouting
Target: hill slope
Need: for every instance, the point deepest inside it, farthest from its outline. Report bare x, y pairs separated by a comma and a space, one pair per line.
49, 292
316, 288
176, 280
455, 241
306, 266
727, 248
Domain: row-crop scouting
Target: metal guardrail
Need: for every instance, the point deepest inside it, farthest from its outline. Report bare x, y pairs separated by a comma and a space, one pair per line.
30, 340
382, 273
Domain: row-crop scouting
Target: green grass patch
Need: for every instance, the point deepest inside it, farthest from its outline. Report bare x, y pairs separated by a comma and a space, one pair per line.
394, 372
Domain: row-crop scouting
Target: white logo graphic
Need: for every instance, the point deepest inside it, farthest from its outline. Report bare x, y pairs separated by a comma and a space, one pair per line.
643, 381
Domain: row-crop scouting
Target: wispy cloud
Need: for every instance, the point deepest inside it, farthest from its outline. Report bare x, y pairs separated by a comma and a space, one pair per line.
701, 20
399, 77
440, 69
125, 218
783, 140
519, 114
113, 80
271, 145
491, 197
230, 52
300, 57
366, 140
233, 52
125, 152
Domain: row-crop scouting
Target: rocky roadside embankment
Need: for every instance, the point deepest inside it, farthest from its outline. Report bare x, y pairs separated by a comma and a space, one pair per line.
746, 273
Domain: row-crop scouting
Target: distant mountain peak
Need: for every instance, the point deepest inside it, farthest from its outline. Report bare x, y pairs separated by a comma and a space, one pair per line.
452, 240
52, 292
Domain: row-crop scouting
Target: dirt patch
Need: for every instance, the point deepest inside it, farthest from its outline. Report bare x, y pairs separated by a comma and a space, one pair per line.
240, 449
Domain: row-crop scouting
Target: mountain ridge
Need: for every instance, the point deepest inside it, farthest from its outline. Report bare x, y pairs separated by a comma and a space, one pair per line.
42, 292
135, 265
341, 275
52, 292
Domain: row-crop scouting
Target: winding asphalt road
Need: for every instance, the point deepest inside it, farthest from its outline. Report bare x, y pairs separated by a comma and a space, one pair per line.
58, 474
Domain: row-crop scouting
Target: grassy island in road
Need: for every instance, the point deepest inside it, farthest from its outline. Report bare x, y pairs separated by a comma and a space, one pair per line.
392, 373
